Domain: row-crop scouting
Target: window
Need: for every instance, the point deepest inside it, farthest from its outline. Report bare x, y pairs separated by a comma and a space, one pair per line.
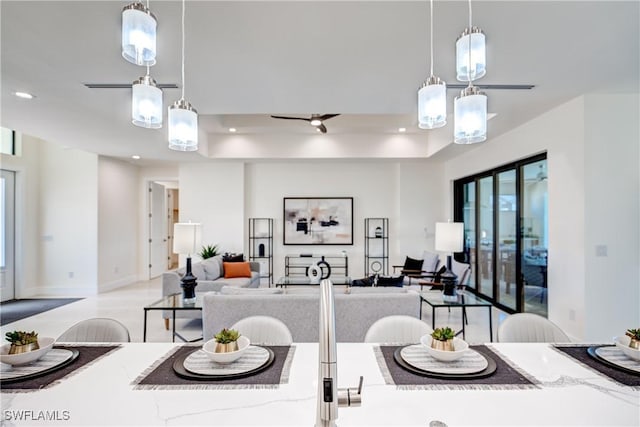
505, 217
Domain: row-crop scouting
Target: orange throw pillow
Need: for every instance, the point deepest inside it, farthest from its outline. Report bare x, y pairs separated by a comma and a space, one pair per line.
236, 269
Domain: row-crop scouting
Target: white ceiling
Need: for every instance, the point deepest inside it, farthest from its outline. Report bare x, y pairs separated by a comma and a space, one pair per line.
247, 60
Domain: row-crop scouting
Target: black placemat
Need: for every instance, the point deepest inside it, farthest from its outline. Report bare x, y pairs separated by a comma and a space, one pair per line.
88, 354
161, 376
579, 353
506, 376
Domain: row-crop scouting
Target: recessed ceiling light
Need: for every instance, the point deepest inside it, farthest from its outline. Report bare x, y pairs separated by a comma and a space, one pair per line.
402, 130
232, 129
135, 157
24, 95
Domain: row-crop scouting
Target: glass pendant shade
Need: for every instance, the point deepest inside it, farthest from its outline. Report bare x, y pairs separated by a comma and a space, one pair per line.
471, 40
139, 35
183, 126
432, 104
470, 109
146, 103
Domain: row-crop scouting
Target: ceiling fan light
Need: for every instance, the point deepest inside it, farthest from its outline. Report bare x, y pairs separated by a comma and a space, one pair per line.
183, 126
146, 103
470, 110
139, 27
316, 122
432, 104
471, 49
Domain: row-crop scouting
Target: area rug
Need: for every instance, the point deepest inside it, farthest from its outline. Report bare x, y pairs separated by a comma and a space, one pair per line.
14, 310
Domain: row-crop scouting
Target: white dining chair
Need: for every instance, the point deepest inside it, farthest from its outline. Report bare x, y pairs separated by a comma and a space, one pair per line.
98, 329
264, 330
529, 327
397, 330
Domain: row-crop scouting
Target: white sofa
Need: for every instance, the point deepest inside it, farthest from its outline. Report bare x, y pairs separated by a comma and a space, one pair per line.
210, 276
355, 312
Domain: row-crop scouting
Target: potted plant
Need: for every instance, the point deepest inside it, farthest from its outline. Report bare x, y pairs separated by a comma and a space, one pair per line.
634, 334
22, 342
227, 340
442, 339
208, 251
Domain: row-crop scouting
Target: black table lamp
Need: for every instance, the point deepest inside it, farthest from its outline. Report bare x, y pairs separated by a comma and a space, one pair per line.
449, 238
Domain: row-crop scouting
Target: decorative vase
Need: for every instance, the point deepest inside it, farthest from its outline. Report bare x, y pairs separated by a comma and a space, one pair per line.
261, 250
378, 232
634, 343
442, 345
226, 348
24, 348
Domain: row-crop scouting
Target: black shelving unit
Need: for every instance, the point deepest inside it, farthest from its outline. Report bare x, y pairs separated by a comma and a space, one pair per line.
261, 247
376, 246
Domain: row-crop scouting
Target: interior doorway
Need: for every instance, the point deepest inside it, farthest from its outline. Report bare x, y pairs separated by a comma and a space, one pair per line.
163, 213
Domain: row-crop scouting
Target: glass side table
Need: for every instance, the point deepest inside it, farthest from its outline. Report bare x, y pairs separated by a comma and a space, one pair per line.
172, 303
465, 299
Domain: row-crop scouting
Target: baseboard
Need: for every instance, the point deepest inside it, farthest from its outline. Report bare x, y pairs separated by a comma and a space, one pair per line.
109, 286
57, 292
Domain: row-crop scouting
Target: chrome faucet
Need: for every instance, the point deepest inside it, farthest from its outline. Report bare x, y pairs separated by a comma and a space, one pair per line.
329, 396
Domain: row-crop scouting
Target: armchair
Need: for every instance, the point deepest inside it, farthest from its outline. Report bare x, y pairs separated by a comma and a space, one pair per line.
419, 268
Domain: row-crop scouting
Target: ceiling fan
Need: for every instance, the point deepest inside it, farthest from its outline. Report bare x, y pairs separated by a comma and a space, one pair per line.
315, 120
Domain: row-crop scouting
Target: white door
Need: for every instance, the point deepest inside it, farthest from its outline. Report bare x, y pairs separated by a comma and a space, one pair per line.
7, 235
158, 235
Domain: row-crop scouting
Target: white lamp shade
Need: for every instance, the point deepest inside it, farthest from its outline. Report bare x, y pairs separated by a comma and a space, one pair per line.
187, 237
146, 104
183, 127
470, 119
449, 236
473, 40
432, 106
138, 35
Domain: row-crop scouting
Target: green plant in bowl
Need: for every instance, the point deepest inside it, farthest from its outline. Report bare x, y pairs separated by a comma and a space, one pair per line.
227, 340
22, 341
443, 338
208, 251
634, 334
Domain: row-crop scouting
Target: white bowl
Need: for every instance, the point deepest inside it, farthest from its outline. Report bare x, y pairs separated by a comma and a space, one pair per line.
210, 346
460, 347
45, 343
623, 344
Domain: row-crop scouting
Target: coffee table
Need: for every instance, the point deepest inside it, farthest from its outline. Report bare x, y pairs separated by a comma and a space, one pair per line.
174, 303
465, 299
285, 281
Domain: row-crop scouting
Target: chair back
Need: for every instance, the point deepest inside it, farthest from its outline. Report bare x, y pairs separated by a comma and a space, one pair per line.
461, 270
397, 330
264, 330
96, 330
529, 327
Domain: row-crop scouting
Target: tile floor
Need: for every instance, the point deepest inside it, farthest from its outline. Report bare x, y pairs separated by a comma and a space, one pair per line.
126, 305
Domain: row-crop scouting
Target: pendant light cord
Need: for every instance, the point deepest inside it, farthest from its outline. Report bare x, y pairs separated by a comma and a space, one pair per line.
470, 33
183, 1
431, 40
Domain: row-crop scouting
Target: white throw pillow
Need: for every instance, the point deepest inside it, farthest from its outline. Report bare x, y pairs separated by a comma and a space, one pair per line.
211, 268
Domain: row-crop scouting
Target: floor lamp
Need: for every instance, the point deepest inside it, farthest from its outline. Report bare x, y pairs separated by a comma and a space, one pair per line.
187, 239
449, 238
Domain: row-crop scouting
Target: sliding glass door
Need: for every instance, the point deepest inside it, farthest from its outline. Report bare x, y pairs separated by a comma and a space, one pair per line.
506, 232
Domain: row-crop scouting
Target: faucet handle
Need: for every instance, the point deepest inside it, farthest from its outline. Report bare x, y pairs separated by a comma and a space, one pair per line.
351, 396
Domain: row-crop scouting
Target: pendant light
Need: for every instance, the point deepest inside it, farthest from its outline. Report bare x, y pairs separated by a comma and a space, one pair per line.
146, 103
470, 53
183, 118
432, 96
139, 27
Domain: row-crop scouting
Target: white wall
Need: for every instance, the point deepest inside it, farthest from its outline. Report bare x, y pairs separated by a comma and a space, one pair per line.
118, 220
68, 217
574, 141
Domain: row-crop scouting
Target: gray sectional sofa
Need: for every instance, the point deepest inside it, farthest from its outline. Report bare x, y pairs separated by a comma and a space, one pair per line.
210, 275
355, 312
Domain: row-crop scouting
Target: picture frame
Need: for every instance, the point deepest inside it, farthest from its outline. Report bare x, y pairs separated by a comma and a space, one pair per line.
318, 221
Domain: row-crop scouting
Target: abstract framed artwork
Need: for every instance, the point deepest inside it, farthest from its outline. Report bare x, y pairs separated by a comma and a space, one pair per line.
318, 221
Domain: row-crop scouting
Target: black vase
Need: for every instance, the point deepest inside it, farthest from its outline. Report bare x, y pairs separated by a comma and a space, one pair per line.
261, 250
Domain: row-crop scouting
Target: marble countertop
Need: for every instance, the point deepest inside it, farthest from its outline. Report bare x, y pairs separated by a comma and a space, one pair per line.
102, 394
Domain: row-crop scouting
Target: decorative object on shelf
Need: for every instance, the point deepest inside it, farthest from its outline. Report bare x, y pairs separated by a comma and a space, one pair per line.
183, 118
319, 271
227, 340
634, 334
432, 96
449, 238
261, 250
187, 237
139, 27
208, 251
318, 221
442, 339
378, 232
470, 108
22, 341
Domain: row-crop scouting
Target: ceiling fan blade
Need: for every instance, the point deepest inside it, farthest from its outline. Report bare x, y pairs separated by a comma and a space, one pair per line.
322, 128
327, 116
291, 118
